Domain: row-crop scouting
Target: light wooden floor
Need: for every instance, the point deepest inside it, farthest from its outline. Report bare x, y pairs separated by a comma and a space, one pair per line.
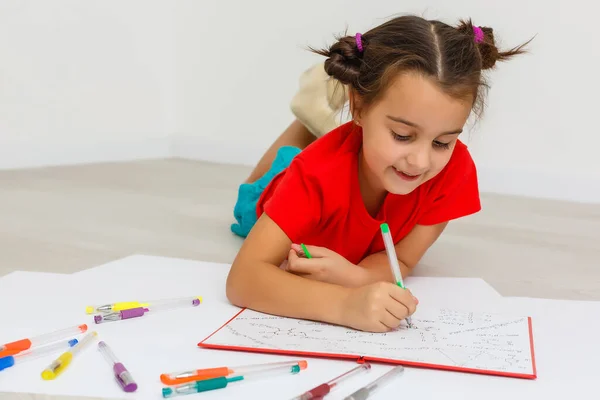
68, 219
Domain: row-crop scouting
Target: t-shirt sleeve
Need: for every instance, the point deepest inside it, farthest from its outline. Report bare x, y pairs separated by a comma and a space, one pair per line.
294, 202
457, 194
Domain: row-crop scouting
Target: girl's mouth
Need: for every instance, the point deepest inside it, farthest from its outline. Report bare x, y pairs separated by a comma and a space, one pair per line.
405, 176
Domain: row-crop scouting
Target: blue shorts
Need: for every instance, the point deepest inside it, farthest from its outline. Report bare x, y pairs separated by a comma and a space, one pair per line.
249, 193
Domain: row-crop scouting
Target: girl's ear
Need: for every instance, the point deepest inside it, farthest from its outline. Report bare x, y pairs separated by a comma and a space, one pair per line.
356, 106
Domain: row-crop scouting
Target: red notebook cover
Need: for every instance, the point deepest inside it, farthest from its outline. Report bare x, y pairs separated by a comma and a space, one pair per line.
505, 343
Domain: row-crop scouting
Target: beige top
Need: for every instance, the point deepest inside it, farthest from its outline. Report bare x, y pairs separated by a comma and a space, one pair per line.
319, 101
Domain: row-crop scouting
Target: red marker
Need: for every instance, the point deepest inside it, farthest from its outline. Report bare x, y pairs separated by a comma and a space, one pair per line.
322, 390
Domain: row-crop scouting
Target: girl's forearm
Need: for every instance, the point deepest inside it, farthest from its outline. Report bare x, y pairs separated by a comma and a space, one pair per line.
266, 288
377, 268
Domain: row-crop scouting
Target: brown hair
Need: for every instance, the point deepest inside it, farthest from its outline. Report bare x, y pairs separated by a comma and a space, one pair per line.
435, 49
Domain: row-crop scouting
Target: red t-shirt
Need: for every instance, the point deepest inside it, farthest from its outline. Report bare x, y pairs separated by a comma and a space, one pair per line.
317, 199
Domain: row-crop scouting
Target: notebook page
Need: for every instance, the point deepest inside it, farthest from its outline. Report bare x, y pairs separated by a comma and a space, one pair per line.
440, 338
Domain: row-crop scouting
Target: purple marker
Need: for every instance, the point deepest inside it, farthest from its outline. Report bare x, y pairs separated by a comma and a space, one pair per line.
152, 307
119, 315
122, 376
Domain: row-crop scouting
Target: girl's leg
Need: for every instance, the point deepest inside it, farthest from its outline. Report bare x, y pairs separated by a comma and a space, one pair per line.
316, 106
296, 135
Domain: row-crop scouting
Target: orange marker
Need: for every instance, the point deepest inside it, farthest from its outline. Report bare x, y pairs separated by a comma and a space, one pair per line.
12, 348
209, 373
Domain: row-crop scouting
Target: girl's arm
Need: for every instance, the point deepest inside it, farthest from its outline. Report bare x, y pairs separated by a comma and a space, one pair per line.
256, 281
409, 251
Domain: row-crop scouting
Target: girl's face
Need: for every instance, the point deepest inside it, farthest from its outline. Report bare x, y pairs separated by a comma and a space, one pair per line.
409, 134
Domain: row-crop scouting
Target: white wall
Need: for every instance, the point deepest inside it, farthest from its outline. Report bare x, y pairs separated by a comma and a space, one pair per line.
538, 137
85, 81
212, 80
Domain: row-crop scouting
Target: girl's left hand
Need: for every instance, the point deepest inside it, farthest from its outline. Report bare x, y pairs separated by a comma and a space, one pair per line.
325, 266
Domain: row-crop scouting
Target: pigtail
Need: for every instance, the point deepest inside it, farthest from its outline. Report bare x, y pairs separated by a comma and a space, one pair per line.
483, 37
344, 59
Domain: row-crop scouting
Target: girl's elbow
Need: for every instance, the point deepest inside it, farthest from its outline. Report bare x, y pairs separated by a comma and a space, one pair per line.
234, 290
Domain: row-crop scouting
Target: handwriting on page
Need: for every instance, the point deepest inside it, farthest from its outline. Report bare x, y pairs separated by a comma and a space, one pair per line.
440, 337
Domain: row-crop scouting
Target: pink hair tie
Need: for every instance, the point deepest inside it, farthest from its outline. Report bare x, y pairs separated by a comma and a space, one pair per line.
359, 42
478, 34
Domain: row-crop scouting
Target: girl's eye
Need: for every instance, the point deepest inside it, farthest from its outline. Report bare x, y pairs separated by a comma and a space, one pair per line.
441, 145
400, 138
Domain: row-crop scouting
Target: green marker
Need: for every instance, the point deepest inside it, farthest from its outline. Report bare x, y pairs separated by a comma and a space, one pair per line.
223, 381
393, 259
305, 250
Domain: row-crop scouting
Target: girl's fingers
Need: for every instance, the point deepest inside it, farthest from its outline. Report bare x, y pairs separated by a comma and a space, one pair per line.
390, 321
315, 251
300, 266
303, 266
405, 298
291, 257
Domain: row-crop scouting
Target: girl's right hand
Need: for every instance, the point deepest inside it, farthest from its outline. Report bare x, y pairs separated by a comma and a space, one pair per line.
378, 307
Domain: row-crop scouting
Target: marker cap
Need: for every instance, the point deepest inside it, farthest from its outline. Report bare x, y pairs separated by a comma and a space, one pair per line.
6, 362
124, 378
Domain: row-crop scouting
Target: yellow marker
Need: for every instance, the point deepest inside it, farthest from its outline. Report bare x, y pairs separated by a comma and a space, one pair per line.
128, 305
63, 361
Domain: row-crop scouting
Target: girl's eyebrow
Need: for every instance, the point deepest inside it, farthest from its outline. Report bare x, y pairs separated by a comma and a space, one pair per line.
403, 121
406, 122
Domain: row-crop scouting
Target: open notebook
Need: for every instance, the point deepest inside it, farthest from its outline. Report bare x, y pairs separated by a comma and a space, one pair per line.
492, 344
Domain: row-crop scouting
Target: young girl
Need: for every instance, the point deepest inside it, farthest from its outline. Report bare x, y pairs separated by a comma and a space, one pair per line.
412, 84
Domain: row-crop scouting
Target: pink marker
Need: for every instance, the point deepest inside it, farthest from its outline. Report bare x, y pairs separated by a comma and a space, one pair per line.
318, 392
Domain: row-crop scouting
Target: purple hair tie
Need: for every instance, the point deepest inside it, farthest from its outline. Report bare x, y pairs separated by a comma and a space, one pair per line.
478, 34
359, 42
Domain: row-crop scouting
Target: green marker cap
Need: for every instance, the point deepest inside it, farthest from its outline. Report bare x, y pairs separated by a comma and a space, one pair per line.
385, 228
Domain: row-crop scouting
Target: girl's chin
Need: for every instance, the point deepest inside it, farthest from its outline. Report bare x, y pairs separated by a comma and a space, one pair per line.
401, 191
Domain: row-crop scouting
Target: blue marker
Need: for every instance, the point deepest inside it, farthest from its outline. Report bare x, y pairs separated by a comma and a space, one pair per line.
7, 362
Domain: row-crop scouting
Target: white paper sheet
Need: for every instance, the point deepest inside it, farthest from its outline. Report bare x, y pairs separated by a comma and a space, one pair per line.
565, 336
148, 346
453, 292
145, 264
36, 303
10, 283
